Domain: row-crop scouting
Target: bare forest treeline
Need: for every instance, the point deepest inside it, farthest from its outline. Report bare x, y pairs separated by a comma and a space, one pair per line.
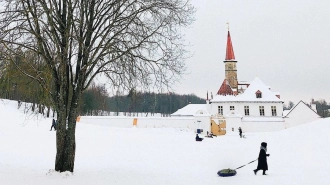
95, 100
16, 86
322, 108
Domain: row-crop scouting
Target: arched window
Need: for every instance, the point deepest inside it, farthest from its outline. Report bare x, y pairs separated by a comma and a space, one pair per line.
258, 94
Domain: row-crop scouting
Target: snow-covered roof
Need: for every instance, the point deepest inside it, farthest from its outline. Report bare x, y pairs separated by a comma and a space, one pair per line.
300, 103
257, 85
250, 94
285, 112
277, 93
191, 109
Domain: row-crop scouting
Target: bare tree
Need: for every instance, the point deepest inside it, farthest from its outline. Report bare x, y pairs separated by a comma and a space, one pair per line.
291, 105
131, 42
322, 108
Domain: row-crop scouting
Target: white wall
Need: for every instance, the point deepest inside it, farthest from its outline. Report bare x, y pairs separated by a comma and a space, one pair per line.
262, 126
202, 122
253, 108
170, 122
232, 123
300, 114
111, 121
193, 123
142, 122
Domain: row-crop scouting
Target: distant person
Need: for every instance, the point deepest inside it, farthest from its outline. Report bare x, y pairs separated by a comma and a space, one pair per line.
262, 160
209, 134
19, 103
240, 132
53, 125
198, 138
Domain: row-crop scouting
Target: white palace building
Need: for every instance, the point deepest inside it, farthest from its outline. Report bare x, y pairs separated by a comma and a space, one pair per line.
249, 105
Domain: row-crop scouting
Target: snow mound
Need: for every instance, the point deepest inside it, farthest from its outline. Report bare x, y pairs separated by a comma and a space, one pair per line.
54, 173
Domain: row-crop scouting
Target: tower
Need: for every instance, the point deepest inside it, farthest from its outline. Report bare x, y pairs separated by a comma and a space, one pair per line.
230, 64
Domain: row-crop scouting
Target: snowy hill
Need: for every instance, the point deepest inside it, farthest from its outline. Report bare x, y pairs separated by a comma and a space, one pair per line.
126, 156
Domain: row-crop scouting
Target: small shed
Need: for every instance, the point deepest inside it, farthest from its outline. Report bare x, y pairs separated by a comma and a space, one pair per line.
300, 114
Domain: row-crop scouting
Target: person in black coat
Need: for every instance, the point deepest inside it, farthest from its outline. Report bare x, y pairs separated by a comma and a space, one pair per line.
262, 160
198, 138
240, 131
53, 125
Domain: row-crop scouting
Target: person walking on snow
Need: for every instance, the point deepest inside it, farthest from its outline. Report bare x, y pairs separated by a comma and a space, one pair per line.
53, 125
240, 131
262, 160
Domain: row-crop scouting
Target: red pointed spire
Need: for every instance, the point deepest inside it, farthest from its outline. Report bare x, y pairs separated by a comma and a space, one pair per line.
230, 50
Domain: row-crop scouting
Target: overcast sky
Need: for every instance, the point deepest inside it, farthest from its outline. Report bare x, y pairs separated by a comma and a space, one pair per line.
284, 43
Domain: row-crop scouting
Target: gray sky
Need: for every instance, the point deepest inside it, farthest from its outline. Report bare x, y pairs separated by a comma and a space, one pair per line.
285, 43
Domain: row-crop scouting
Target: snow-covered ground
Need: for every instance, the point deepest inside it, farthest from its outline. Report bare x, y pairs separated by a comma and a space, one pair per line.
129, 156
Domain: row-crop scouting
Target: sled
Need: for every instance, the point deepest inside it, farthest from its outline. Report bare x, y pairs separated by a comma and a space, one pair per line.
227, 172
231, 172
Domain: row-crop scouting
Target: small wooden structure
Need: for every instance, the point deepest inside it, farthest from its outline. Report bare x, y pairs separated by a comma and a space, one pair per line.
218, 125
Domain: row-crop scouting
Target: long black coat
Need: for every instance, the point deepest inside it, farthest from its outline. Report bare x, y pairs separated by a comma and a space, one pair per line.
262, 160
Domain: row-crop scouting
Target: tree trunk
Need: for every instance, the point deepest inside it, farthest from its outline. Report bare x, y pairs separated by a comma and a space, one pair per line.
65, 135
48, 111
65, 145
39, 108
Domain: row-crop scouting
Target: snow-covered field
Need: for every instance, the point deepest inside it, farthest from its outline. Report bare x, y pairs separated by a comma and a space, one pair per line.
125, 156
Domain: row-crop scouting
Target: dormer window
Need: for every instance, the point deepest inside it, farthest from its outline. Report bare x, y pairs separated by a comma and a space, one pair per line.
258, 94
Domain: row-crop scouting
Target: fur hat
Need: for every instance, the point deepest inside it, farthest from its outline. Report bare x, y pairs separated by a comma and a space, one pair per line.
264, 144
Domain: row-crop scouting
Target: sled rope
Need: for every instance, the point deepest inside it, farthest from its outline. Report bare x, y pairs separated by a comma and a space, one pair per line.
246, 164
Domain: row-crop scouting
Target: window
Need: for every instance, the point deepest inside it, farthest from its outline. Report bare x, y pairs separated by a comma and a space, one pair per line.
232, 107
262, 110
220, 110
274, 111
246, 110
258, 94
